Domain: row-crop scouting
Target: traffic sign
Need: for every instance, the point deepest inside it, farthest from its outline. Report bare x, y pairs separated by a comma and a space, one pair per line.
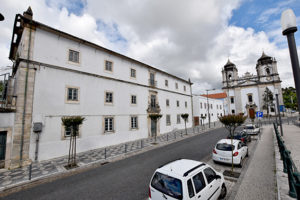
259, 114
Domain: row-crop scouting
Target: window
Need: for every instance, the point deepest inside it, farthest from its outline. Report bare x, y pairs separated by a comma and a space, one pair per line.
232, 111
167, 102
209, 174
152, 79
68, 130
134, 122
204, 105
184, 88
73, 56
133, 73
220, 107
72, 94
109, 97
167, 185
108, 124
153, 101
177, 103
190, 188
250, 98
133, 99
212, 114
232, 100
229, 76
178, 119
199, 182
211, 106
217, 106
166, 83
185, 104
108, 66
168, 120
201, 105
268, 71
176, 85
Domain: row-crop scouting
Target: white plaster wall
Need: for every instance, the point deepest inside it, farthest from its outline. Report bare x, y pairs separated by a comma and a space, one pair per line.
92, 60
244, 94
50, 106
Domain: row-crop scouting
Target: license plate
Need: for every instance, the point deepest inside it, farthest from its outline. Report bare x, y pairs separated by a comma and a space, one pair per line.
223, 159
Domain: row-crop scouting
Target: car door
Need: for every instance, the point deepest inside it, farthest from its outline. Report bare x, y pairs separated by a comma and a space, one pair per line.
200, 187
242, 150
213, 184
191, 190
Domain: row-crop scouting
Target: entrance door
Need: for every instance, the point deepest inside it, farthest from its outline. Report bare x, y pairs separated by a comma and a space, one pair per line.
251, 113
2, 147
153, 127
196, 120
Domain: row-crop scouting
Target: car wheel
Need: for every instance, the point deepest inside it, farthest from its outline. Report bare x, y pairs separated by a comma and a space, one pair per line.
223, 192
241, 163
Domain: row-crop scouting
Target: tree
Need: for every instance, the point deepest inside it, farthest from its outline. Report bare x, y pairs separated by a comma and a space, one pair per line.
231, 122
290, 98
185, 116
268, 100
155, 117
72, 123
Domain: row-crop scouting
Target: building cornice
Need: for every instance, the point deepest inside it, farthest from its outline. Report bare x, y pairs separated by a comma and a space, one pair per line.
255, 84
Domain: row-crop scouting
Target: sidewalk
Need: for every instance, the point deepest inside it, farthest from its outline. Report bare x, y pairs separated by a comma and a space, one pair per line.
55, 167
259, 180
291, 137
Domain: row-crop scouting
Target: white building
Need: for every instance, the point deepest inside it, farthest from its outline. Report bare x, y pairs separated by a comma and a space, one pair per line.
56, 74
204, 107
245, 94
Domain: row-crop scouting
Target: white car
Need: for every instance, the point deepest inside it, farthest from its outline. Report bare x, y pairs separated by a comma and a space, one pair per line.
251, 129
188, 180
223, 151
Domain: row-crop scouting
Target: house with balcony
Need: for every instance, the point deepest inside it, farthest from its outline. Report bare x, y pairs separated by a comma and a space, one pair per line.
56, 74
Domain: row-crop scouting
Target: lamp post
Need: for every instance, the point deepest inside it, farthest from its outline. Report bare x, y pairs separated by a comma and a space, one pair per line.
278, 109
208, 106
288, 24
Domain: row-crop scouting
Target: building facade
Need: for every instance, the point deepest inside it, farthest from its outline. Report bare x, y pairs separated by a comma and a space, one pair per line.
204, 107
246, 94
56, 75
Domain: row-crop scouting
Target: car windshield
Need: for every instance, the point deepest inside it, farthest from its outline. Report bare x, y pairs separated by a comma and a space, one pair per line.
224, 147
249, 127
168, 185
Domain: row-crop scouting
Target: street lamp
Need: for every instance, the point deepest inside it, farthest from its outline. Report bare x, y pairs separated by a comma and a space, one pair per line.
208, 106
289, 26
278, 109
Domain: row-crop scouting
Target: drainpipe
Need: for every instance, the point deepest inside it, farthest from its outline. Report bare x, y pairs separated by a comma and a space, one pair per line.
25, 97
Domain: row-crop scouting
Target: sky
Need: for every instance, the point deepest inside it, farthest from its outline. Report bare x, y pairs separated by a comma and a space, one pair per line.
190, 39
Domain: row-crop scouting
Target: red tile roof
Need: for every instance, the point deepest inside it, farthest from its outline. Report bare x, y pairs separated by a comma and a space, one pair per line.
216, 95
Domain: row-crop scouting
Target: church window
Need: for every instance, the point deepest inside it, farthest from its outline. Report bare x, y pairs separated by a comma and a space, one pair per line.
268, 71
229, 76
250, 99
233, 111
232, 100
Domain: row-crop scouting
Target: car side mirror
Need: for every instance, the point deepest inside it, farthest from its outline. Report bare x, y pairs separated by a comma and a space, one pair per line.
217, 176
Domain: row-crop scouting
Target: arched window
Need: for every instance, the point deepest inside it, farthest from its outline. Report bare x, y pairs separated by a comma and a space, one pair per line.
229, 76
250, 99
268, 71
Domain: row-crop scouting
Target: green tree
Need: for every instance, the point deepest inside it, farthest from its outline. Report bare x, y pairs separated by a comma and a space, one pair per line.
1, 88
73, 123
185, 116
268, 100
290, 98
231, 122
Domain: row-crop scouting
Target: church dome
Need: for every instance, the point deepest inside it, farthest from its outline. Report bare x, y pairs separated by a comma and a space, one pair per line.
229, 65
264, 57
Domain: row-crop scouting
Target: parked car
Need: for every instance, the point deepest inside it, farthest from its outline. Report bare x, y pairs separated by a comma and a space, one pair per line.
252, 129
186, 179
223, 151
242, 135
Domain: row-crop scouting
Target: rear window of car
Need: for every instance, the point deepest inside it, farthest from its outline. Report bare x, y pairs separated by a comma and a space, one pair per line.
168, 185
224, 147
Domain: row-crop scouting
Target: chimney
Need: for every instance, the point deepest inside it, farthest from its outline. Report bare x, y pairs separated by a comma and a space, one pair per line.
28, 13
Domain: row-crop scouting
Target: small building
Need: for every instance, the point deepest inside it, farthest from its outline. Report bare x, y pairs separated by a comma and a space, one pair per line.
205, 107
56, 74
246, 94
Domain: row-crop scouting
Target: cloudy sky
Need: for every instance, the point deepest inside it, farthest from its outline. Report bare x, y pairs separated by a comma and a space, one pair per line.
190, 39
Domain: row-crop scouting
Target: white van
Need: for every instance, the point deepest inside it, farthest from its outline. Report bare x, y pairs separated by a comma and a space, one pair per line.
186, 179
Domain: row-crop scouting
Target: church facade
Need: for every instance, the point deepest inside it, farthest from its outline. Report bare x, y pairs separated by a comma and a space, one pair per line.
245, 94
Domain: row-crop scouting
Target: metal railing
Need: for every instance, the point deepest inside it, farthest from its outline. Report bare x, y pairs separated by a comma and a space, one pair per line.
288, 166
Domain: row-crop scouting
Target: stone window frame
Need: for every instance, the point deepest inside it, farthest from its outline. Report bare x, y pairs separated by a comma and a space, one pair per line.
108, 103
112, 66
168, 120
176, 85
231, 99
167, 103
68, 56
131, 70
131, 97
166, 83
113, 124
177, 103
67, 87
178, 120
248, 95
130, 122
63, 130
184, 88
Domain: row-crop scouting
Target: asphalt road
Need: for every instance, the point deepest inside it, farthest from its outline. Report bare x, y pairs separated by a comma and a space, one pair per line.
124, 179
